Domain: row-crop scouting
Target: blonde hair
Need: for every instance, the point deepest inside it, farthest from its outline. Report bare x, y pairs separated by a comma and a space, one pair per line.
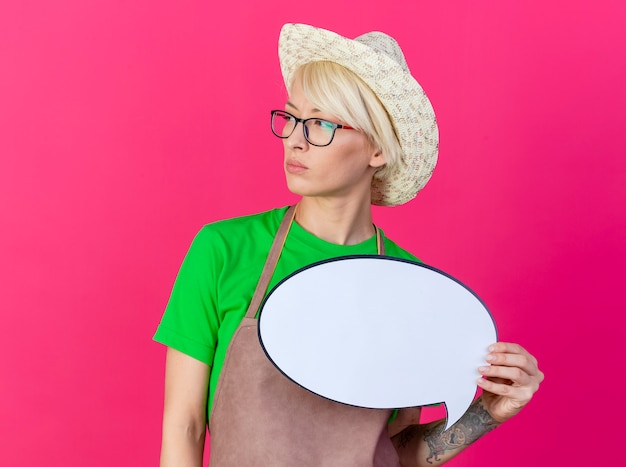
336, 90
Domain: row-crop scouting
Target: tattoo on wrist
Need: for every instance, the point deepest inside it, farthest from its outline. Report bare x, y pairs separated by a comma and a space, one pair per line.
473, 424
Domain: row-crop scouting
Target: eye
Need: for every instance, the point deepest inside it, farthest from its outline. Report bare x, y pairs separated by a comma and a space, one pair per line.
323, 124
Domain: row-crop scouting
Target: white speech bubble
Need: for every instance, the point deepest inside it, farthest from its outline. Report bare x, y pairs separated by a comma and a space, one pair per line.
378, 332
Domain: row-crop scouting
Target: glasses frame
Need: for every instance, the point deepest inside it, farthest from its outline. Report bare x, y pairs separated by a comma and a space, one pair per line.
304, 121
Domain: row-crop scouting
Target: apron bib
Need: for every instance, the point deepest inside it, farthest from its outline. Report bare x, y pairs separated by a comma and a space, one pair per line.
261, 418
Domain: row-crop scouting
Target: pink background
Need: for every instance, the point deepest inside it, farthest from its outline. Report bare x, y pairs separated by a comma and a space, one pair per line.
125, 126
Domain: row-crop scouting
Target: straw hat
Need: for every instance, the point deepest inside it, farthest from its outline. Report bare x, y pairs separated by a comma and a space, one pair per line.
377, 59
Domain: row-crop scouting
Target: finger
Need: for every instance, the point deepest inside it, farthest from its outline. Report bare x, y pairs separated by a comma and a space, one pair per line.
515, 375
508, 347
525, 363
521, 394
513, 355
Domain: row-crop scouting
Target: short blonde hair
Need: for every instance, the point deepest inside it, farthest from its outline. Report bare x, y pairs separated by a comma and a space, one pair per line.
336, 90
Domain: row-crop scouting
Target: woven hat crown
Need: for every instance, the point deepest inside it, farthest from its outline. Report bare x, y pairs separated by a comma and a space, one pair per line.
384, 44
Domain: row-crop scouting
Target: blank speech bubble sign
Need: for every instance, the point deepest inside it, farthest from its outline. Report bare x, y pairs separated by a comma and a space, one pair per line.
378, 332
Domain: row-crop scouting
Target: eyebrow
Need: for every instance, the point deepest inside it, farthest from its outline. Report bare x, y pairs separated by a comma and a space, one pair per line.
290, 104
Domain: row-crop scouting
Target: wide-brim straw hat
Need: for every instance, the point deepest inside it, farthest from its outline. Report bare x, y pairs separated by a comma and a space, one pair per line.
378, 60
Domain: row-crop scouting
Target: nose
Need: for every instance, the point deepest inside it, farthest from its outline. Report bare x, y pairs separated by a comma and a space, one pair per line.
296, 139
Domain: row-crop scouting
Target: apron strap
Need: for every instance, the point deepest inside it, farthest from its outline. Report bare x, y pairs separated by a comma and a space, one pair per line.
380, 242
274, 254
270, 262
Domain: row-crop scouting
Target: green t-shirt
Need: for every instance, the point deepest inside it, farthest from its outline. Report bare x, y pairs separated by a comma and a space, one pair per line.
218, 276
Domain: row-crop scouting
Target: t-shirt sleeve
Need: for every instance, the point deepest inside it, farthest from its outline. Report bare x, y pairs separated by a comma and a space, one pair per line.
190, 321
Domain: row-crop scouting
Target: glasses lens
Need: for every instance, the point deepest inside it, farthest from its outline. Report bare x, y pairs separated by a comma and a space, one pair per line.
282, 124
320, 132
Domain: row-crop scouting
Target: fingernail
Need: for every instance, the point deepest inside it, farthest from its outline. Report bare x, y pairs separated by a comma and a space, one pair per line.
480, 381
490, 358
492, 348
483, 369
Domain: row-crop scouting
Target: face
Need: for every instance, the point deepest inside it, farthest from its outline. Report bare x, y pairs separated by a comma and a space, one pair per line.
343, 169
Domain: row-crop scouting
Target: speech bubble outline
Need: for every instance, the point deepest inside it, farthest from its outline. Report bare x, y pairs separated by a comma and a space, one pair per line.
352, 305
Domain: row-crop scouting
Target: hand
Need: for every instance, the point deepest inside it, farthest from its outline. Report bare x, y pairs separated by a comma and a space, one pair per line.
510, 381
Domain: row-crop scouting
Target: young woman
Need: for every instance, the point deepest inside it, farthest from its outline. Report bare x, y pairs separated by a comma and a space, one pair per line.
357, 130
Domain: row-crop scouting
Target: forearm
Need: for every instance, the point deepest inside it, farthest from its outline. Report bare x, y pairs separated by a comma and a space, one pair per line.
182, 446
427, 445
184, 411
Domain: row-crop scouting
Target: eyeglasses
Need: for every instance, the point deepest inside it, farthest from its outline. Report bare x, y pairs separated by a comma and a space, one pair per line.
317, 131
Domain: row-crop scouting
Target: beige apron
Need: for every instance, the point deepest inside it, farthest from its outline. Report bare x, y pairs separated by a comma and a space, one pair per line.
261, 418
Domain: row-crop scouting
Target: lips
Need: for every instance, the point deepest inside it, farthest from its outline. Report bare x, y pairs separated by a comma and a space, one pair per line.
295, 167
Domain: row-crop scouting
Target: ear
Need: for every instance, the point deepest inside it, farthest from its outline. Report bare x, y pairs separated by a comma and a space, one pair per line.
377, 159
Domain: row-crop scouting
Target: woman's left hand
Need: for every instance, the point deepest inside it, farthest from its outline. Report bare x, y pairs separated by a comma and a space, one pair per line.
510, 381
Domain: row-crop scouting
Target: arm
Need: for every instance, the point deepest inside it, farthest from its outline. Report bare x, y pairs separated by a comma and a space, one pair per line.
509, 384
184, 412
421, 445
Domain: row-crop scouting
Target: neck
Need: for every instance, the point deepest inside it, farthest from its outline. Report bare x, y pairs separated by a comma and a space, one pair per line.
336, 221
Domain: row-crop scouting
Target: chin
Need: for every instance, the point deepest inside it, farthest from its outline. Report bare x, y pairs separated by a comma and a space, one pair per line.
296, 186
298, 190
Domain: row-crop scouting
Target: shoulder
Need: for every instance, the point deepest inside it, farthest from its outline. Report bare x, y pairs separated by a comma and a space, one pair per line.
261, 219
220, 244
251, 227
395, 250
